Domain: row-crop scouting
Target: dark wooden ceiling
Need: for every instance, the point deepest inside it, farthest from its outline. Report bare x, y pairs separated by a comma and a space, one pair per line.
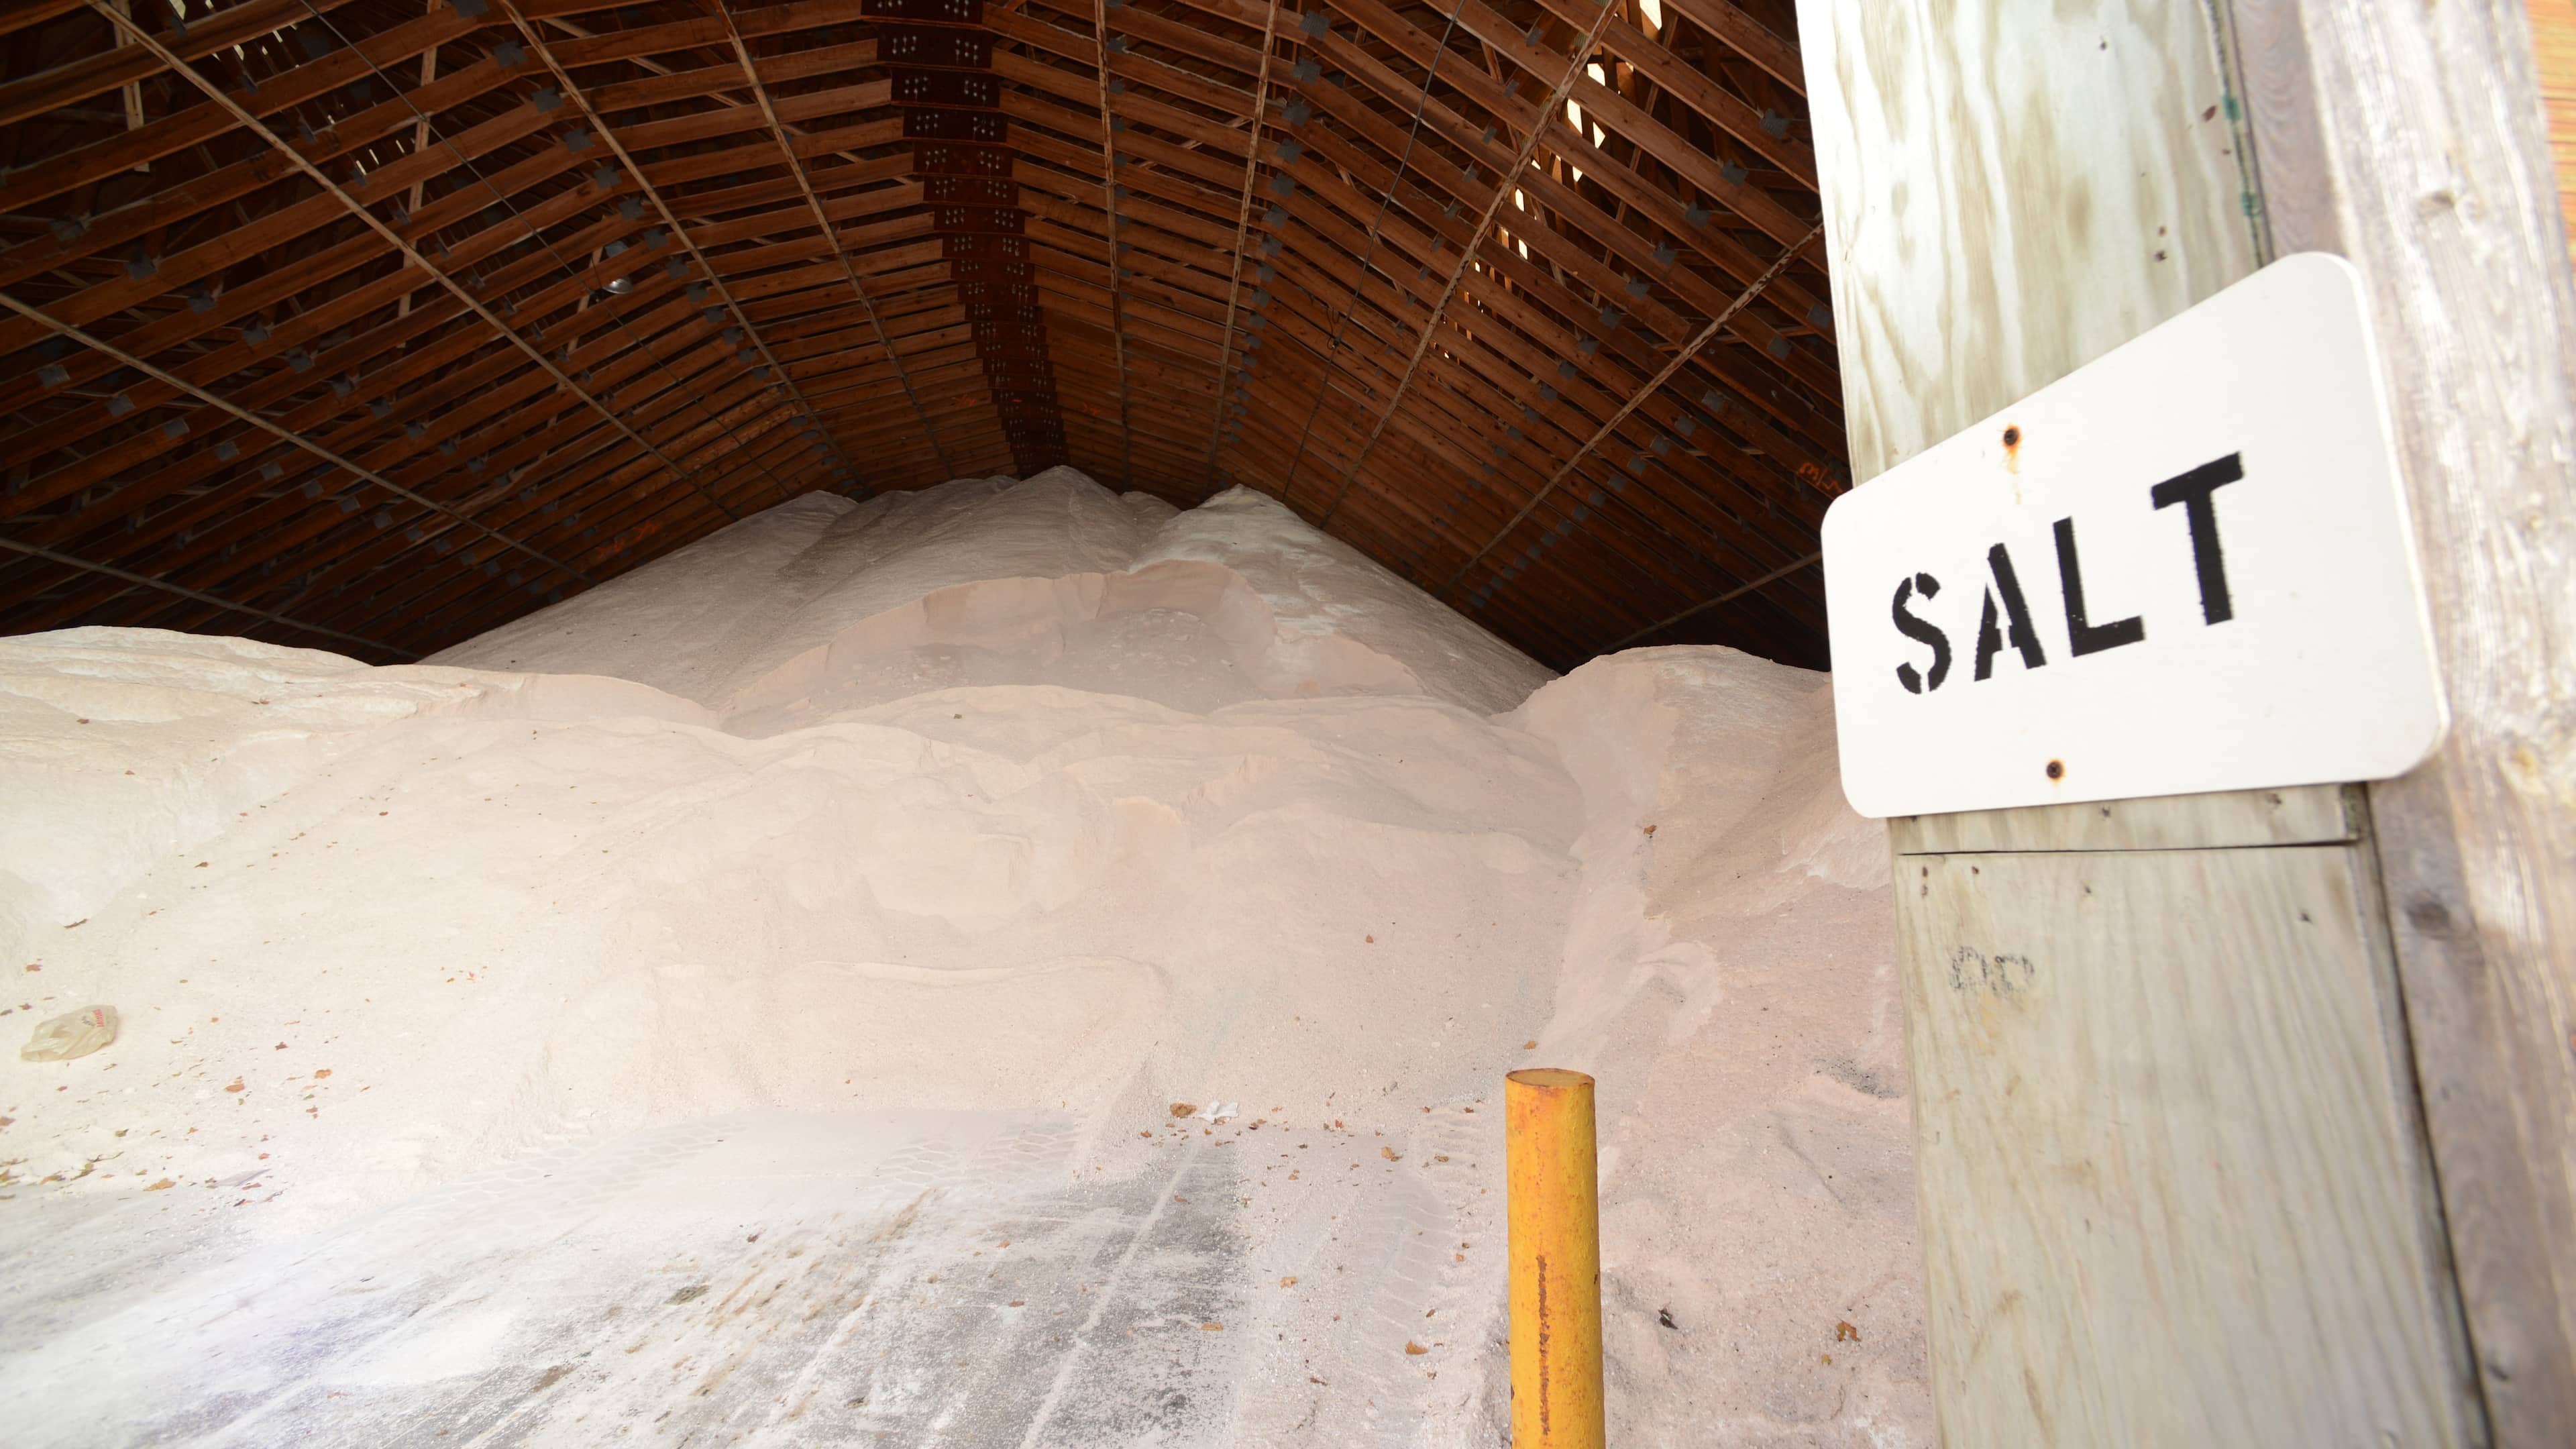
371, 324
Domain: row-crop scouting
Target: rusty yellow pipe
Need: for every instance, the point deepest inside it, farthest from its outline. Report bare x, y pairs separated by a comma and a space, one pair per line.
1555, 1210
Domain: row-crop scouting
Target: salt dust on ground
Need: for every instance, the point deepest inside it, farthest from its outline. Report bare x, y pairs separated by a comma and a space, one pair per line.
1011, 964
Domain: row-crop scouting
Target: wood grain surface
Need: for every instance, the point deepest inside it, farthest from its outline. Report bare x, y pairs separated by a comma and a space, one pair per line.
2009, 194
2181, 1196
2011, 191
2412, 140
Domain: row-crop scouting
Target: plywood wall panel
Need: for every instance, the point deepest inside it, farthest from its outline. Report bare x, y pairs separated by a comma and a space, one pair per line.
2010, 191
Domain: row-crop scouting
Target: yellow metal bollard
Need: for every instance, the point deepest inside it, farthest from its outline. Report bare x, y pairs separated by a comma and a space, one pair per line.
1555, 1210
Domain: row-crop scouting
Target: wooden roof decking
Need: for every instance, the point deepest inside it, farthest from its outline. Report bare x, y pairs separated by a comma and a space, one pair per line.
372, 324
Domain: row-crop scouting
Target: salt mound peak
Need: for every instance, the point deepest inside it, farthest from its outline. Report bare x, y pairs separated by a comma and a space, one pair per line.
979, 829
948, 586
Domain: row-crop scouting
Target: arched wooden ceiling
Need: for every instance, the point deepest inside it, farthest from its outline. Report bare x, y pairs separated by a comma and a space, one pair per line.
371, 324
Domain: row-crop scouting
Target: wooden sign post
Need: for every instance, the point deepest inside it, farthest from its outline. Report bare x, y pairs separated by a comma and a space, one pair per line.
2241, 1117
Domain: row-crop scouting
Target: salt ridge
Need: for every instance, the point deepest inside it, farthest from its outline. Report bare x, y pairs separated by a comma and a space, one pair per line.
1008, 797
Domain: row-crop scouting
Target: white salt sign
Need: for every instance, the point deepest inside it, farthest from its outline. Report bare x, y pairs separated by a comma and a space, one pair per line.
2186, 566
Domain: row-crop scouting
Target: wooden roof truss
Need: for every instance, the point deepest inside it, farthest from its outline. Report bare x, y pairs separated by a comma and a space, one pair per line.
371, 324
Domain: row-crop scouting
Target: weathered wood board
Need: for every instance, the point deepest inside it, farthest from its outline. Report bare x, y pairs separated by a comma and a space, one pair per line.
2010, 191
2411, 139
2298, 815
2180, 1193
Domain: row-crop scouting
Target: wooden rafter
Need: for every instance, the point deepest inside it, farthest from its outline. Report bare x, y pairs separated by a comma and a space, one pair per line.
1110, 193
1506, 185
679, 231
65, 560
1653, 385
823, 221
284, 435
1242, 230
1510, 417
410, 255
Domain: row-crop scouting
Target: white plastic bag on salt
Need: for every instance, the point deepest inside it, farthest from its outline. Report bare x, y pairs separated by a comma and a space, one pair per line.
72, 1034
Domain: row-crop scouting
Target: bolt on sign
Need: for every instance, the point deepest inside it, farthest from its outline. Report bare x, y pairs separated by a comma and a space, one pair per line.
2186, 566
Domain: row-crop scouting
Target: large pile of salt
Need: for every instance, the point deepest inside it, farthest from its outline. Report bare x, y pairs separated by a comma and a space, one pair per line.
1001, 798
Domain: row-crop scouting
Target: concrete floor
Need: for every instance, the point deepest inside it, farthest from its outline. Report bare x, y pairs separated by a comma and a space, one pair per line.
914, 1279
